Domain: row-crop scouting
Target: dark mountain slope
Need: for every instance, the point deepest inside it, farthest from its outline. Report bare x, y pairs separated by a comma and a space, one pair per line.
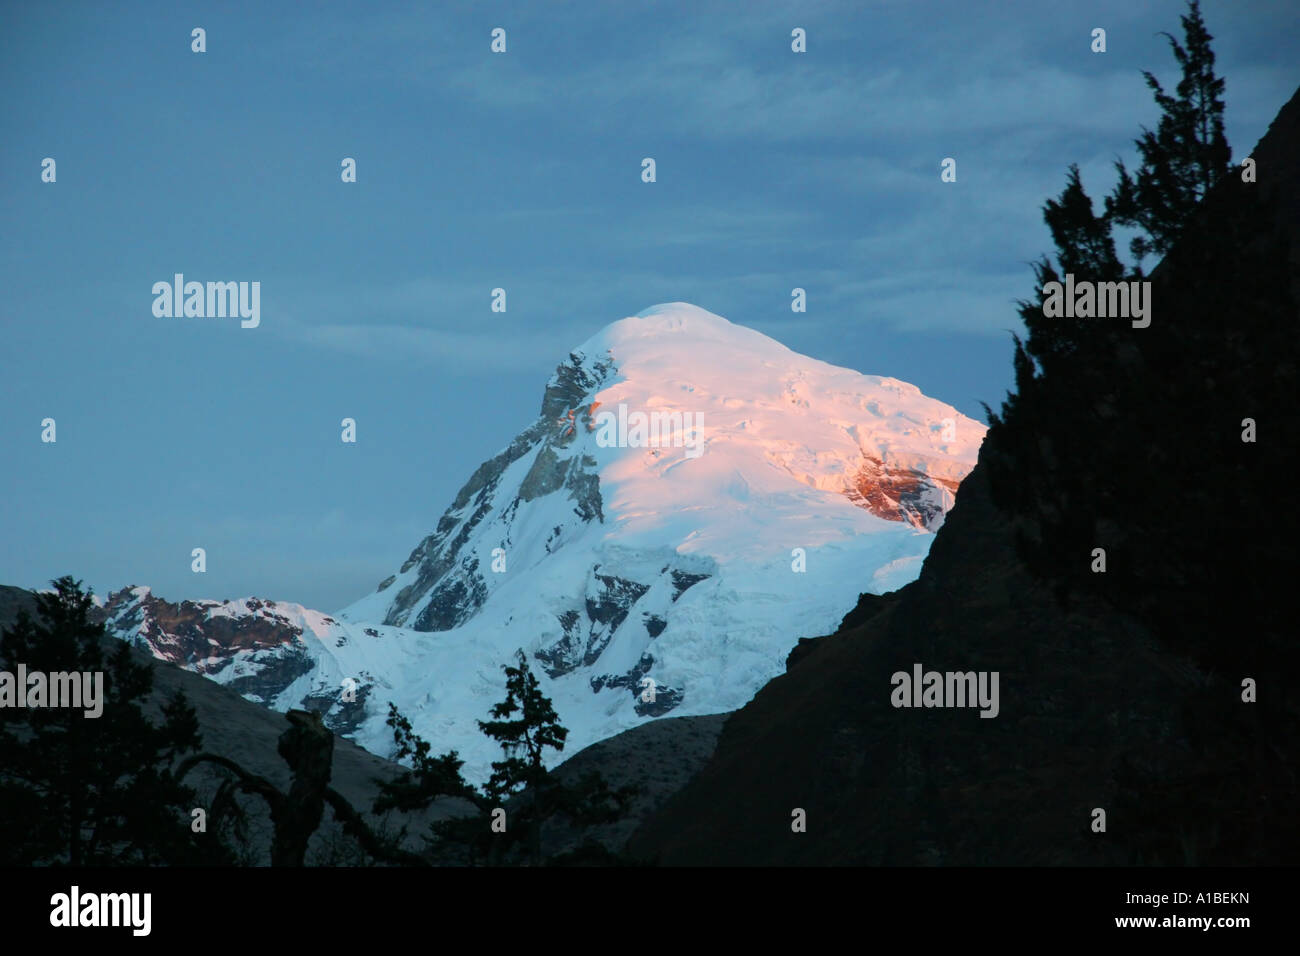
1081, 697
1097, 710
248, 734
657, 757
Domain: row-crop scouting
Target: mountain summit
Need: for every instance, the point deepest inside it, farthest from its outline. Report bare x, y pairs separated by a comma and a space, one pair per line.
764, 450
692, 497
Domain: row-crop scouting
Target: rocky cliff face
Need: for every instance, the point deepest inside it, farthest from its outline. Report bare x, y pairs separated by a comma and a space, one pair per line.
906, 494
272, 654
447, 583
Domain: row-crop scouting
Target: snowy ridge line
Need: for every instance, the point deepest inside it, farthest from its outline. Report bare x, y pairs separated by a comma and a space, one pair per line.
642, 577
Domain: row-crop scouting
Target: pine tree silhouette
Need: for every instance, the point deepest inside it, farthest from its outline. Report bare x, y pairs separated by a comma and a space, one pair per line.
1186, 156
525, 724
94, 791
1130, 440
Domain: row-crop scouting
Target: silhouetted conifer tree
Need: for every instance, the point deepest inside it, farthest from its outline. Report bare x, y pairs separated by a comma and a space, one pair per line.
525, 724
1185, 157
94, 790
1129, 439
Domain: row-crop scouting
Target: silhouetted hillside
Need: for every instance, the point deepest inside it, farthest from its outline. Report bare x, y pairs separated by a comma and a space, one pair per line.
248, 734
657, 757
1128, 700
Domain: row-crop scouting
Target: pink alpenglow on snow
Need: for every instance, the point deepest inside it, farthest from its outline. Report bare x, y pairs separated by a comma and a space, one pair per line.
692, 499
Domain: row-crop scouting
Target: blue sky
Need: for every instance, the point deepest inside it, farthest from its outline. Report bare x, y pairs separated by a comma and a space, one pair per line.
521, 170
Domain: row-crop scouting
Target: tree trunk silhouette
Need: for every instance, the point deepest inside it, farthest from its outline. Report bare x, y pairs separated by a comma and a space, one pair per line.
308, 748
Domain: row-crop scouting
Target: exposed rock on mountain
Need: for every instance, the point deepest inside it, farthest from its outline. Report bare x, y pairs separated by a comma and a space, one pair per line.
691, 499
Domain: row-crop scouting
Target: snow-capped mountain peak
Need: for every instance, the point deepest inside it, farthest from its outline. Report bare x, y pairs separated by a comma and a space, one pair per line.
692, 498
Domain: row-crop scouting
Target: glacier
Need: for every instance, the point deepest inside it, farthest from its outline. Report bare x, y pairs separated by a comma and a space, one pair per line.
683, 569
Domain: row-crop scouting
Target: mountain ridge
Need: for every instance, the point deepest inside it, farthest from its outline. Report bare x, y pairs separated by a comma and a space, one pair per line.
649, 572
1102, 709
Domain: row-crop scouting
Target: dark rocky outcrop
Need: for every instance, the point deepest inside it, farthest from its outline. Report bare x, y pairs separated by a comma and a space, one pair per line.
902, 494
1099, 708
1094, 713
449, 584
